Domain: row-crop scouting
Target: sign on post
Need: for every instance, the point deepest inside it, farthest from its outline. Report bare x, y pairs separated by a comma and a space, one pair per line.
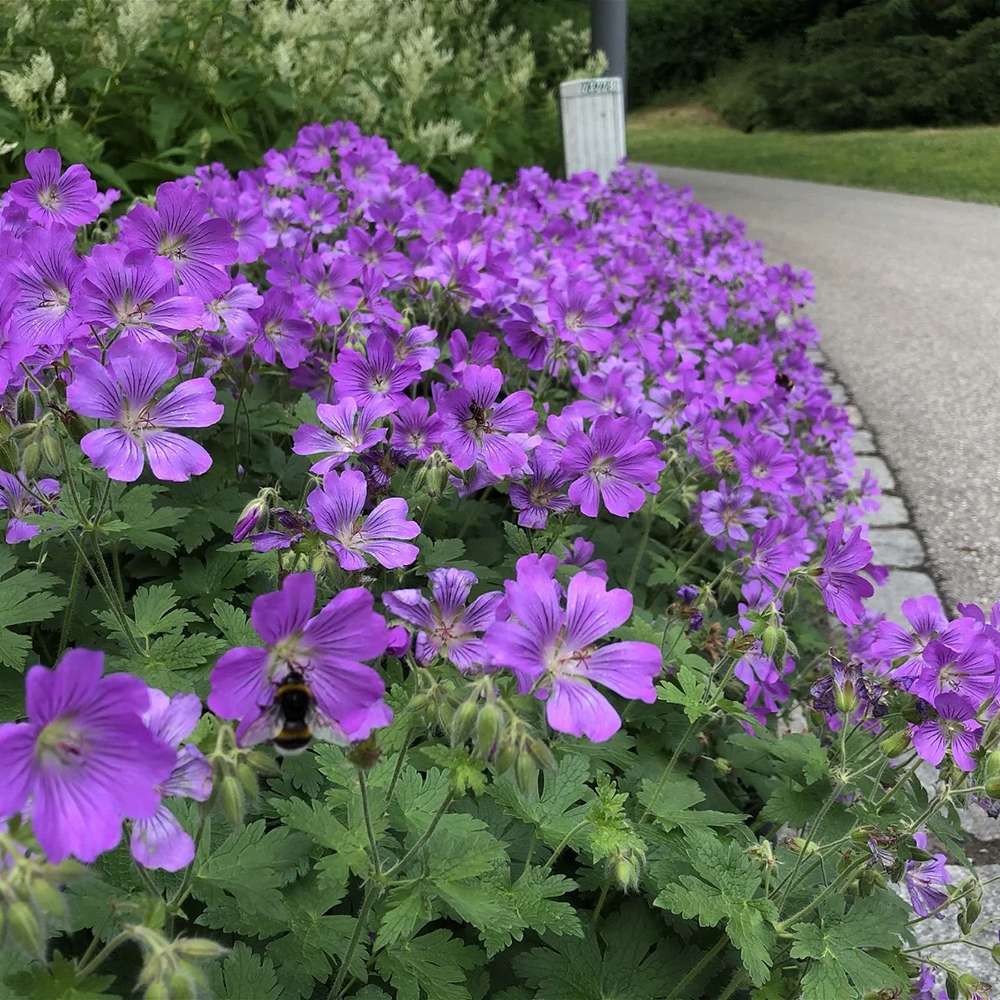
593, 122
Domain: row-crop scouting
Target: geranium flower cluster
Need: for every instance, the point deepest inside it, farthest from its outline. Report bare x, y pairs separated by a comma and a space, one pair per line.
575, 350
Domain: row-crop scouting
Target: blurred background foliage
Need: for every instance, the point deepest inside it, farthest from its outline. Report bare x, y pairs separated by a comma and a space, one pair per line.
821, 64
143, 90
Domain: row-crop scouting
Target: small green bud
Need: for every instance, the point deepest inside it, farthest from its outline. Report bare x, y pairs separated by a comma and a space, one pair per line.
232, 799
771, 637
248, 779
262, 763
25, 929
487, 728
463, 722
75, 427
995, 952
25, 406
157, 991
969, 914
542, 755
896, 744
50, 450
626, 874
526, 774
199, 949
182, 987
951, 986
722, 766
49, 899
505, 757
31, 459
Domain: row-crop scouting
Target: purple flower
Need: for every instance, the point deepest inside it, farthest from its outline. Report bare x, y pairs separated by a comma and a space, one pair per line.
234, 309
553, 651
746, 375
844, 590
725, 512
351, 431
927, 621
376, 375
416, 432
178, 230
580, 553
46, 276
159, 841
123, 394
477, 426
19, 504
955, 730
355, 540
543, 490
615, 463
967, 670
53, 197
447, 627
140, 301
924, 881
581, 316
279, 331
84, 760
326, 649
764, 464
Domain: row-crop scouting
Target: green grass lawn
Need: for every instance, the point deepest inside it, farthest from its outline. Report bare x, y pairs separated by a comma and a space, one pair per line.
962, 163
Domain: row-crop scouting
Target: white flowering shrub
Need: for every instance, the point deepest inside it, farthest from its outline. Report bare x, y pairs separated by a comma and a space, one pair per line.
143, 91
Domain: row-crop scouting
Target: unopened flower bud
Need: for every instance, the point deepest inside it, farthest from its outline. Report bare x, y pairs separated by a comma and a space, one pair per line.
723, 459
969, 913
896, 743
626, 874
722, 766
526, 774
50, 449
25, 406
951, 987
770, 640
487, 728
541, 753
995, 952
505, 757
845, 697
463, 722
157, 991
75, 427
182, 986
48, 898
252, 518
248, 779
232, 799
31, 459
25, 929
199, 949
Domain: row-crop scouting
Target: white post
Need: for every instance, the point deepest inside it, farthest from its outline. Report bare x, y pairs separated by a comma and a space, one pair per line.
593, 121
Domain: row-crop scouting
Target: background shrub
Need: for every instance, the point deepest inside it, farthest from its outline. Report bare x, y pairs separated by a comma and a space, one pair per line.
811, 65
142, 92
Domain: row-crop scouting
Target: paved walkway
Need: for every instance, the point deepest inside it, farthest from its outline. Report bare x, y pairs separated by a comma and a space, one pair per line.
908, 305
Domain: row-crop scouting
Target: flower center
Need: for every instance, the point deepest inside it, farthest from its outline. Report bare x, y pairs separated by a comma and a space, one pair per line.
49, 198
172, 247
288, 655
759, 471
61, 743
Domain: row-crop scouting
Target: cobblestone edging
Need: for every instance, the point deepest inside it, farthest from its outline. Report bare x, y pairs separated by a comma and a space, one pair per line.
898, 545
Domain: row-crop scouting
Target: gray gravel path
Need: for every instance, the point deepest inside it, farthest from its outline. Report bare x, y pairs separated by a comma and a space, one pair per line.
908, 305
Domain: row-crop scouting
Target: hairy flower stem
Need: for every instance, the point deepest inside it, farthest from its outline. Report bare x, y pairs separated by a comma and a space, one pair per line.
787, 883
424, 837
398, 769
698, 552
697, 969
738, 978
74, 586
204, 827
369, 827
561, 846
601, 900
371, 892
845, 878
85, 968
640, 551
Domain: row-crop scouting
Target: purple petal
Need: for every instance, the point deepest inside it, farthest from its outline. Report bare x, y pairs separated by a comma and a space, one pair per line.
114, 451
161, 842
577, 708
175, 458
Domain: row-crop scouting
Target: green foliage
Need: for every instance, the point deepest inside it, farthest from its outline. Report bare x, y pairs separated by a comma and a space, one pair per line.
813, 65
25, 596
143, 92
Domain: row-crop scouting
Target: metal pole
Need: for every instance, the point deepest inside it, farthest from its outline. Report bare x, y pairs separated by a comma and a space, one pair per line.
609, 34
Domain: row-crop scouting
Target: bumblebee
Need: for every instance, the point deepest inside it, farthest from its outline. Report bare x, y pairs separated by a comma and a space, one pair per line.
784, 381
294, 706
